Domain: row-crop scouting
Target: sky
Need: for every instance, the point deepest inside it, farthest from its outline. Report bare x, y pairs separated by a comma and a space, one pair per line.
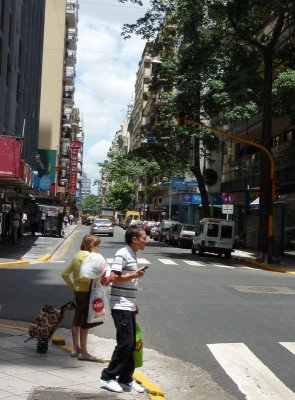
105, 74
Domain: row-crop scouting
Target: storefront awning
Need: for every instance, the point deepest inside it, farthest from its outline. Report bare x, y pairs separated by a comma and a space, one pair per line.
51, 207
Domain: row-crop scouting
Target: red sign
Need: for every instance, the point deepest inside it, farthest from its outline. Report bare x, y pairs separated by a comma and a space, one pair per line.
228, 198
75, 146
10, 154
98, 305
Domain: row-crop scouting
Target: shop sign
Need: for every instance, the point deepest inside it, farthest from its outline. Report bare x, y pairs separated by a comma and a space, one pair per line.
75, 146
10, 155
44, 182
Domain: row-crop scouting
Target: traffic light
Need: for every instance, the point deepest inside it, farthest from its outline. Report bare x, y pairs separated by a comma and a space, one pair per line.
181, 115
275, 188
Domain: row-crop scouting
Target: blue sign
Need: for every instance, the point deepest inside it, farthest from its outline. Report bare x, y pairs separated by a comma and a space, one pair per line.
44, 182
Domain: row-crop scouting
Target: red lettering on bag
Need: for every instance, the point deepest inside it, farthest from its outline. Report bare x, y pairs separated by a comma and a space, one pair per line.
98, 305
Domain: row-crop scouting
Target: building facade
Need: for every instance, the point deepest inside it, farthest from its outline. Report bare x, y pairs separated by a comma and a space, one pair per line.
61, 132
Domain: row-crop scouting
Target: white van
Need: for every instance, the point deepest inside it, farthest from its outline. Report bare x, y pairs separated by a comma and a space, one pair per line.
214, 236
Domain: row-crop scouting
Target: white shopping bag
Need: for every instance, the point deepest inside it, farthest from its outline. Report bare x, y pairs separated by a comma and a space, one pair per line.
94, 267
98, 303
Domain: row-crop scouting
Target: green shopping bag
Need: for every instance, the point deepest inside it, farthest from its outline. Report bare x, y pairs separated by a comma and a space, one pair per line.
138, 351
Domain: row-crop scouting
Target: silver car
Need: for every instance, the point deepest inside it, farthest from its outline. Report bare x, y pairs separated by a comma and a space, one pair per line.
102, 226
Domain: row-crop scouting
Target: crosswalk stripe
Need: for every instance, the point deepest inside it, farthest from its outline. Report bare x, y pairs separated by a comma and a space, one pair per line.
253, 378
222, 266
143, 261
195, 263
166, 261
289, 346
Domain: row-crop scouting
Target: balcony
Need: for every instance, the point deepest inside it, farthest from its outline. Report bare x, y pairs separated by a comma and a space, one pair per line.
71, 39
63, 181
69, 75
68, 97
72, 13
70, 58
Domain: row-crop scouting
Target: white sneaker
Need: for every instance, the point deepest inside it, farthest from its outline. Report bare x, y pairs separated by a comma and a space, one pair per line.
112, 385
132, 386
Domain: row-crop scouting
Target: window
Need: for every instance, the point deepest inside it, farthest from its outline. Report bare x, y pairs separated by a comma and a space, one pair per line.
276, 141
226, 232
213, 230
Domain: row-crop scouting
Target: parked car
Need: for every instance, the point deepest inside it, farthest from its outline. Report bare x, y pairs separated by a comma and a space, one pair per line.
165, 224
154, 233
148, 225
170, 234
215, 236
102, 226
185, 234
135, 223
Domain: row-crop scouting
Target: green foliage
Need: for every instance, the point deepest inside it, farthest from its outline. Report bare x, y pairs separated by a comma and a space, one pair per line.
90, 202
120, 196
284, 95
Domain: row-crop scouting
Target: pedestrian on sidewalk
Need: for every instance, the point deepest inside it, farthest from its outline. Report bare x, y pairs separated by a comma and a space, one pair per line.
15, 225
81, 287
124, 277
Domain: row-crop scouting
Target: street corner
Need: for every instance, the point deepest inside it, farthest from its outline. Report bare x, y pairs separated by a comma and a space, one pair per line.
17, 263
261, 265
44, 258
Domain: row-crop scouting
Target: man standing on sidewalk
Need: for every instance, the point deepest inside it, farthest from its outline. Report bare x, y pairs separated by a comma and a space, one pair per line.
124, 276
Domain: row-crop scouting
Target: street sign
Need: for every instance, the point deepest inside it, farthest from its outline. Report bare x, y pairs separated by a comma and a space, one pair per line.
227, 209
228, 198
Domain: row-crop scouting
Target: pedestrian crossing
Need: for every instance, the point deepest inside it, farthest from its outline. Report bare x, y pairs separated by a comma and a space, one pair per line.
253, 378
192, 263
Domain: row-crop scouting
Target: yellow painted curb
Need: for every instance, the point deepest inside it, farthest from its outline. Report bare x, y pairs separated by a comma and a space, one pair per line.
46, 257
14, 263
153, 390
257, 264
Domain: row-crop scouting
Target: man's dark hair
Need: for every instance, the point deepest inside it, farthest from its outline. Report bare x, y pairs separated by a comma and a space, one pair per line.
131, 233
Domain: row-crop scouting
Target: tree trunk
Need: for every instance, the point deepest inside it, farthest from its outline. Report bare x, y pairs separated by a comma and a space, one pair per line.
200, 179
265, 202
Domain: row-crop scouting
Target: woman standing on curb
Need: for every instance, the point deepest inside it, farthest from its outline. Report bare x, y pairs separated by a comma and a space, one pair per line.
81, 287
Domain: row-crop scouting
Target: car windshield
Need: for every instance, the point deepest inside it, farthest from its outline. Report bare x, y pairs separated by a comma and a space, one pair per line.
102, 221
189, 228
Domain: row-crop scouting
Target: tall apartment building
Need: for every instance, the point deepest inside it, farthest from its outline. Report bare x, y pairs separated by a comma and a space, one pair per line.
86, 186
21, 44
60, 135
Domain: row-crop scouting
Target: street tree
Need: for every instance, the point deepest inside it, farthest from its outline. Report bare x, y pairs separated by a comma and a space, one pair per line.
229, 56
90, 201
121, 172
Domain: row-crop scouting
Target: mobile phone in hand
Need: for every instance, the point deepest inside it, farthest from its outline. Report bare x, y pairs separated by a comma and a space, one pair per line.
145, 267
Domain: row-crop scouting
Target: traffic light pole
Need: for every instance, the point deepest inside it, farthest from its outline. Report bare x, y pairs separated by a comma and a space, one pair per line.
182, 120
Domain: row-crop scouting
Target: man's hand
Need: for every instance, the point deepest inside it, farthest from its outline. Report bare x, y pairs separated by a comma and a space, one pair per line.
139, 273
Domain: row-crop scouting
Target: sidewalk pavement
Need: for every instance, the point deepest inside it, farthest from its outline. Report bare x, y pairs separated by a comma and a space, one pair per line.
32, 248
26, 374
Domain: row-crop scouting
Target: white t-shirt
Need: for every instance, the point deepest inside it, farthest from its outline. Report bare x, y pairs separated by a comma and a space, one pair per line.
123, 294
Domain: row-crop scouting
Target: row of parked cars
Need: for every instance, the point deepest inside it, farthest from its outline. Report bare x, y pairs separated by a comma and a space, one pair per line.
174, 232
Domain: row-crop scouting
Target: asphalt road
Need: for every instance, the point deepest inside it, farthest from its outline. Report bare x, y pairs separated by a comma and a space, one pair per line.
211, 312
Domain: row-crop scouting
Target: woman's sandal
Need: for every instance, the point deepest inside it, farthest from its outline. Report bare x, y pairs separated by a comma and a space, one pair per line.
86, 357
